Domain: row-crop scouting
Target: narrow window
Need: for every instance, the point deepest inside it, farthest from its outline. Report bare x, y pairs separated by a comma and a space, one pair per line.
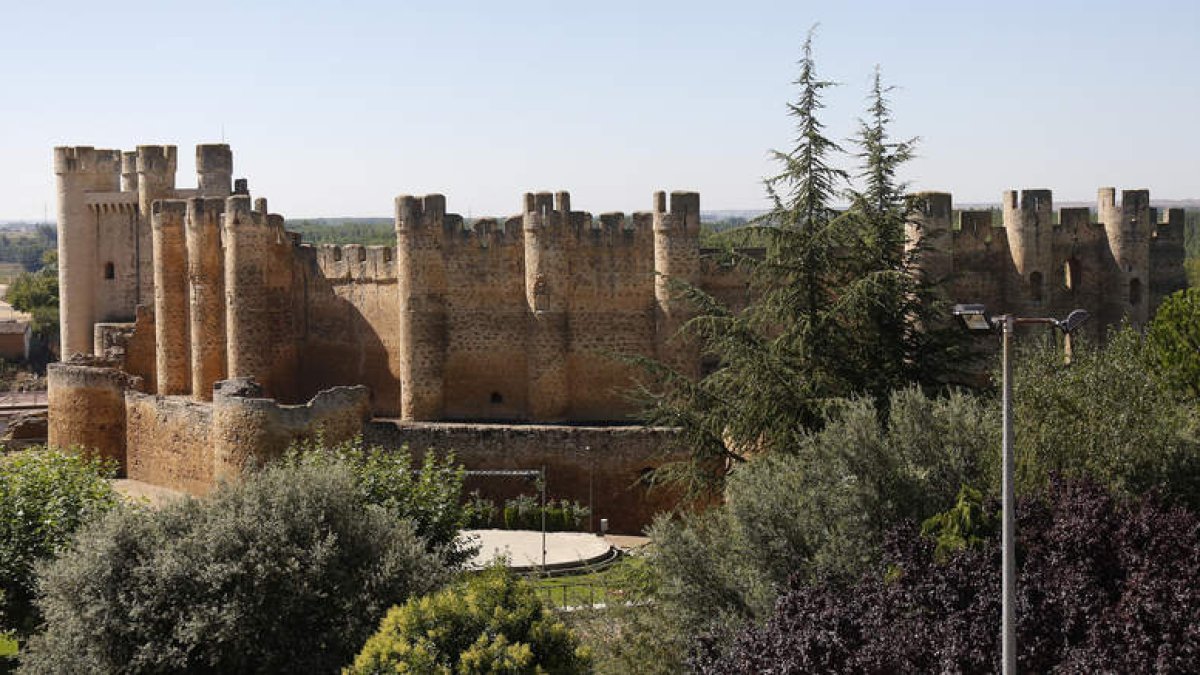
337, 254
110, 271
1135, 291
1035, 286
1071, 274
497, 399
362, 254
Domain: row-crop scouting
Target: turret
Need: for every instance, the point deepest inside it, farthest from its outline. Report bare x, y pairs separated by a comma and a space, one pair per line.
676, 260
214, 170
930, 236
1128, 226
206, 283
129, 175
259, 278
546, 284
156, 174
422, 287
1029, 224
80, 170
171, 331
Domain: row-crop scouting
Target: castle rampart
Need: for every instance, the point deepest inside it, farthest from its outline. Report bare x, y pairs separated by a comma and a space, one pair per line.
189, 293
1040, 262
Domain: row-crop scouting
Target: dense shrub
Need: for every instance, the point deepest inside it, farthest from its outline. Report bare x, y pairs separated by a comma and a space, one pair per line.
1103, 586
287, 571
495, 623
823, 509
429, 496
1175, 340
44, 496
1111, 415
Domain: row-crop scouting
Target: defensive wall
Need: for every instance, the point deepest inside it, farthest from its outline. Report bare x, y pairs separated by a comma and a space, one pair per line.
208, 336
1118, 261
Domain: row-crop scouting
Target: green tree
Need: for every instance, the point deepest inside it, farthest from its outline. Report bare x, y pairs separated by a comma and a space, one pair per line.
1111, 415
45, 495
494, 623
836, 313
429, 497
1175, 340
287, 571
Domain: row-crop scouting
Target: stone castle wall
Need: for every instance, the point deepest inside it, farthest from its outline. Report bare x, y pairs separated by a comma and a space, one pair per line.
600, 467
1119, 263
187, 294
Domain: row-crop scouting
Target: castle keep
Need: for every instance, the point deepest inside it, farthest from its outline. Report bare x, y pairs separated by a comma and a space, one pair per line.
207, 335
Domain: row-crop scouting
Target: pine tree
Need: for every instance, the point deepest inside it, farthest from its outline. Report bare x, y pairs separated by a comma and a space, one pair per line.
836, 312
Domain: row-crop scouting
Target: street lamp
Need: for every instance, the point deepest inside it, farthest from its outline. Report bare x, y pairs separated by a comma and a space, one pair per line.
976, 319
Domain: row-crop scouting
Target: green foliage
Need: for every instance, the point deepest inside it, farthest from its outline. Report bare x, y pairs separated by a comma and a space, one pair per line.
523, 512
1109, 415
366, 231
837, 312
1175, 340
28, 248
45, 495
37, 294
494, 623
821, 510
965, 525
287, 571
430, 496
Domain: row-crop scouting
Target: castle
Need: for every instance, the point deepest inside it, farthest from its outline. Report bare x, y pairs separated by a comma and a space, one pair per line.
207, 335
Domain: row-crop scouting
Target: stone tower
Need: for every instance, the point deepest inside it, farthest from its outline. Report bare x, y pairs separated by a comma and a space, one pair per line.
80, 170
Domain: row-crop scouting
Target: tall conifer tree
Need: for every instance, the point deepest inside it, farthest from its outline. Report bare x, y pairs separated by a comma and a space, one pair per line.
836, 311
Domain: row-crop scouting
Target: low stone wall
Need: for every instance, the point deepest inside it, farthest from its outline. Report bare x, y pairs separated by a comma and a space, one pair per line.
597, 466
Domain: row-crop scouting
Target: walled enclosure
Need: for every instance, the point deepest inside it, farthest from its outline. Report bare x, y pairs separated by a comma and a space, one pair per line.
185, 295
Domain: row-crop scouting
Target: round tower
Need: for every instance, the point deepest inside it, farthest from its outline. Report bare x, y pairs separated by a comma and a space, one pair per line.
1029, 224
206, 282
421, 284
676, 260
1128, 227
129, 175
80, 170
214, 170
546, 252
171, 332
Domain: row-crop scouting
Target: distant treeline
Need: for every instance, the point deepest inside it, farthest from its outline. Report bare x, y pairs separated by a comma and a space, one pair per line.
366, 231
27, 246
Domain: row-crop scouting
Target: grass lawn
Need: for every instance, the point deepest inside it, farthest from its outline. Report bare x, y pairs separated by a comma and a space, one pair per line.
582, 590
8, 646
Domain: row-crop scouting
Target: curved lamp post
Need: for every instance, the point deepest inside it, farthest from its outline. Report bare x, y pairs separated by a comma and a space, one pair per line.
975, 318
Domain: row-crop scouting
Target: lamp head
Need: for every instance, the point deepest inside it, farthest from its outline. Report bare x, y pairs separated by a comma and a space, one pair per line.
974, 317
1074, 320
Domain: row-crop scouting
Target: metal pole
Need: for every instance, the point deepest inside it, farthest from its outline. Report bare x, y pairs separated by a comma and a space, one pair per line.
1008, 627
544, 520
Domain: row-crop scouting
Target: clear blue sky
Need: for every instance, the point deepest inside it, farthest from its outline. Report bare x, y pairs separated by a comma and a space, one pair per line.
335, 108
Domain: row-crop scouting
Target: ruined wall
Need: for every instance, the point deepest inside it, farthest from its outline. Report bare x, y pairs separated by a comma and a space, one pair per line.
601, 466
189, 445
169, 441
86, 403
247, 427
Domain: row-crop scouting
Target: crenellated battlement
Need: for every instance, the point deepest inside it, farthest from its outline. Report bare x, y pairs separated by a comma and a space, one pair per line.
1117, 260
86, 159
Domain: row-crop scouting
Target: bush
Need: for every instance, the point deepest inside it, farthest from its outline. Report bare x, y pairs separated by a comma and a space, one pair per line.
1103, 586
44, 496
495, 623
1110, 415
823, 509
430, 497
288, 571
